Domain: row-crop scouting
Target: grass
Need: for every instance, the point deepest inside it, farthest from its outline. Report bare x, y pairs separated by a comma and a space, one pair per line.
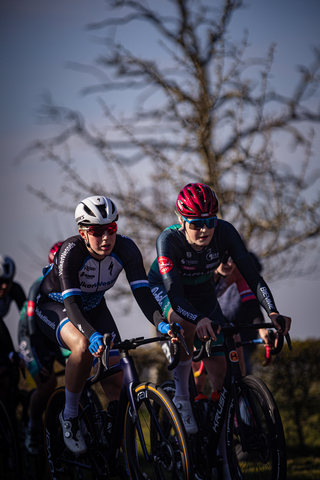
303, 468
301, 465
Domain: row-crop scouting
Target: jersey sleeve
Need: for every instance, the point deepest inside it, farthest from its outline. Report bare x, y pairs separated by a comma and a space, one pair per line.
233, 243
137, 278
68, 266
249, 302
168, 256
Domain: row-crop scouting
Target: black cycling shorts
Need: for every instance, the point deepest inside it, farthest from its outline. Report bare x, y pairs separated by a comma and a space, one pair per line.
51, 317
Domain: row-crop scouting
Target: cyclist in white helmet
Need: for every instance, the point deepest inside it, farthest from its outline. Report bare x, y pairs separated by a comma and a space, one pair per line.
71, 308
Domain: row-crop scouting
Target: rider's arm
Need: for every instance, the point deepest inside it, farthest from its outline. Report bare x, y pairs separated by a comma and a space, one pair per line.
249, 303
148, 305
233, 243
137, 278
230, 240
77, 316
68, 262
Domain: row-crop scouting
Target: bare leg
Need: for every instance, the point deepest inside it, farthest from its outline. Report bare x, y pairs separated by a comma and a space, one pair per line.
216, 368
80, 361
40, 397
112, 385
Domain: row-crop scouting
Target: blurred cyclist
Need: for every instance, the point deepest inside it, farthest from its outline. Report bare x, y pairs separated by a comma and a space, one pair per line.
39, 354
10, 291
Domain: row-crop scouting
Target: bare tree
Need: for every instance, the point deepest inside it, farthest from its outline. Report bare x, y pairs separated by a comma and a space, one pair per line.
204, 112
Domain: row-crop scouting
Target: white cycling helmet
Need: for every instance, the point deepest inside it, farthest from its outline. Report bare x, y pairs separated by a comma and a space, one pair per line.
96, 211
7, 268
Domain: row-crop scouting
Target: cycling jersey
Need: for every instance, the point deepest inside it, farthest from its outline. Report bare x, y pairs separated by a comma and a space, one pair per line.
35, 347
79, 281
187, 274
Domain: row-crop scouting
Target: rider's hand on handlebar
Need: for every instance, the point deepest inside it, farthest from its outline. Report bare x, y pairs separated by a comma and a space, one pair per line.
164, 328
96, 346
205, 331
274, 316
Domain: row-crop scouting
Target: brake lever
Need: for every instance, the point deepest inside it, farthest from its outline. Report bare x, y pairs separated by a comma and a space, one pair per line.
177, 346
208, 346
289, 341
278, 349
176, 329
183, 343
105, 355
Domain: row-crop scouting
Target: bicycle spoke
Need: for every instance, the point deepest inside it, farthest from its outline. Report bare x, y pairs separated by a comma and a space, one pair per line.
160, 453
256, 440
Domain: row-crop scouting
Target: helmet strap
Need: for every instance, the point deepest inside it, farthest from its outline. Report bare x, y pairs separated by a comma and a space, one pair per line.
89, 246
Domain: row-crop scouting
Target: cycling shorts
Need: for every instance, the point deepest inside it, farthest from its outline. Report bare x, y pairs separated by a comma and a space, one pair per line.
51, 317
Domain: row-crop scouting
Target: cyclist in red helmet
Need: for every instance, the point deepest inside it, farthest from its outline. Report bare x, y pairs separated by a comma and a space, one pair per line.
182, 281
197, 200
53, 250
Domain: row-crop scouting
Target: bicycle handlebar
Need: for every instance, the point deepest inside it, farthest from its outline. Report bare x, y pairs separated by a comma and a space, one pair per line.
134, 343
230, 330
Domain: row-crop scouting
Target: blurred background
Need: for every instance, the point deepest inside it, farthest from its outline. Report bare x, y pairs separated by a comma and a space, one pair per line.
71, 125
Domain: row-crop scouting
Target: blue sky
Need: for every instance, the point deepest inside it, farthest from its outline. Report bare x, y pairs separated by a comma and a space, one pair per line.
37, 38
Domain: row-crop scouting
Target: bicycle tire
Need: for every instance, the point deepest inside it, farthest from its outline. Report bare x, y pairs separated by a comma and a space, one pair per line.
262, 430
61, 462
167, 456
10, 460
202, 468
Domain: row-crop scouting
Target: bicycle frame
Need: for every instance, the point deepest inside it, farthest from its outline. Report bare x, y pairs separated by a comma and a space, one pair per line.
130, 379
233, 375
228, 391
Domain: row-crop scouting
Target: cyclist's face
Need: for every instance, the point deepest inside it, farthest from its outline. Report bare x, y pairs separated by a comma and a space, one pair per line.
197, 238
102, 245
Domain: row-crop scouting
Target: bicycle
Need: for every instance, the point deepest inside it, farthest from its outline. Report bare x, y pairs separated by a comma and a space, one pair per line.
246, 410
144, 410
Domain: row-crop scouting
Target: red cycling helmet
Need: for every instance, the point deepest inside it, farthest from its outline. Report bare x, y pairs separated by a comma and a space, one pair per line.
53, 251
197, 200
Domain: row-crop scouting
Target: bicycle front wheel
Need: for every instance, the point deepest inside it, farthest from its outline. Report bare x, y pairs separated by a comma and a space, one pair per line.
156, 443
256, 445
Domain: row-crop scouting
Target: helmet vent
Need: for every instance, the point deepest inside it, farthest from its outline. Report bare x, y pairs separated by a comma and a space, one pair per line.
88, 211
113, 206
102, 210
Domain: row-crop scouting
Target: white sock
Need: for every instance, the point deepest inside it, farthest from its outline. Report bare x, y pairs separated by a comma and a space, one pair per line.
181, 377
71, 406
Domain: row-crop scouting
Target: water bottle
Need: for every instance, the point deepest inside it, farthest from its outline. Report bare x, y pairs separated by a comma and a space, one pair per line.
212, 405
